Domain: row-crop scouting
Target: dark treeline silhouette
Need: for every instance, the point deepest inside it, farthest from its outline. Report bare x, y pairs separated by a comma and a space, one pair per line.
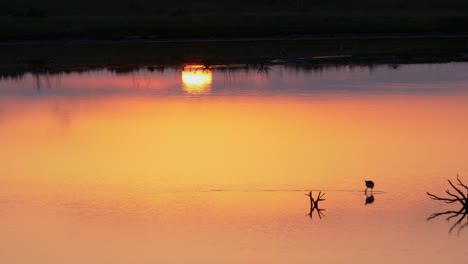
88, 19
182, 7
222, 60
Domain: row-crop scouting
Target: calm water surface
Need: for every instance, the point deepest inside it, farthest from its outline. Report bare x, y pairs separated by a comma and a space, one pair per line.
211, 165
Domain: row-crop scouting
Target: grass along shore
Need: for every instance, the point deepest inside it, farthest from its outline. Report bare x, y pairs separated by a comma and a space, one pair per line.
88, 55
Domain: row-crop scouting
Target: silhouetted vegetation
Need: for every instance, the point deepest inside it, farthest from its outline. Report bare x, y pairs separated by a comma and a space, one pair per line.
210, 18
31, 12
263, 68
307, 55
154, 7
457, 197
314, 204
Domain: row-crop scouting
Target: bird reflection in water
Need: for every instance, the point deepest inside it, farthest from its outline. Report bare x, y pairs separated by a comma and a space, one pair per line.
369, 199
314, 204
454, 197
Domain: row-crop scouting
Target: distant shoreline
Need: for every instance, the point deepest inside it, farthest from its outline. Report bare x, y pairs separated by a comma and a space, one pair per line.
296, 37
182, 20
300, 50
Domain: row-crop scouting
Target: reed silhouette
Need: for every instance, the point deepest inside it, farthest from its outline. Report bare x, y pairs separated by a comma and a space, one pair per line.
204, 68
314, 203
263, 68
458, 197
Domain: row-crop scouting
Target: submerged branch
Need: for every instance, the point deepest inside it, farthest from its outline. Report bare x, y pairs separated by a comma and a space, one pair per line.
462, 227
458, 190
314, 204
437, 198
458, 223
461, 183
432, 216
461, 198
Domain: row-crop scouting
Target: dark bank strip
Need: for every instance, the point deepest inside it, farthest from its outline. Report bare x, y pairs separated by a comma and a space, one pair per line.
48, 57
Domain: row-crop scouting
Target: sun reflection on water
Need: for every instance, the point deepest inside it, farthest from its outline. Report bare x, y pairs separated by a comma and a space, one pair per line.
196, 79
131, 174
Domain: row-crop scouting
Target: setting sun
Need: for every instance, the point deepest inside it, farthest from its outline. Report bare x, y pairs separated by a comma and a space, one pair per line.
197, 79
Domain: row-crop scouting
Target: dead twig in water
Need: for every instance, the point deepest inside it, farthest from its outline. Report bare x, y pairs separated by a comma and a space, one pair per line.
460, 197
314, 204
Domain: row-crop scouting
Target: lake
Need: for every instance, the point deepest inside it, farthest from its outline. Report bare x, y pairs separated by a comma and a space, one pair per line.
195, 164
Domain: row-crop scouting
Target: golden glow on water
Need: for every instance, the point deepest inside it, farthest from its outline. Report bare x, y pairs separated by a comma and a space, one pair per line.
196, 79
176, 144
140, 179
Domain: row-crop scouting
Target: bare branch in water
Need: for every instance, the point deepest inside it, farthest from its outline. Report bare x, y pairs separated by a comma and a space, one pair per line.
314, 204
458, 190
451, 213
461, 198
437, 198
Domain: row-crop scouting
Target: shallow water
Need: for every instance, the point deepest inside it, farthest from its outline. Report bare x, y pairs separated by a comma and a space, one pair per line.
211, 165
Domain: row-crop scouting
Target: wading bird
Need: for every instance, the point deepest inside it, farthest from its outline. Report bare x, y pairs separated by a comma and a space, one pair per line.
369, 184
